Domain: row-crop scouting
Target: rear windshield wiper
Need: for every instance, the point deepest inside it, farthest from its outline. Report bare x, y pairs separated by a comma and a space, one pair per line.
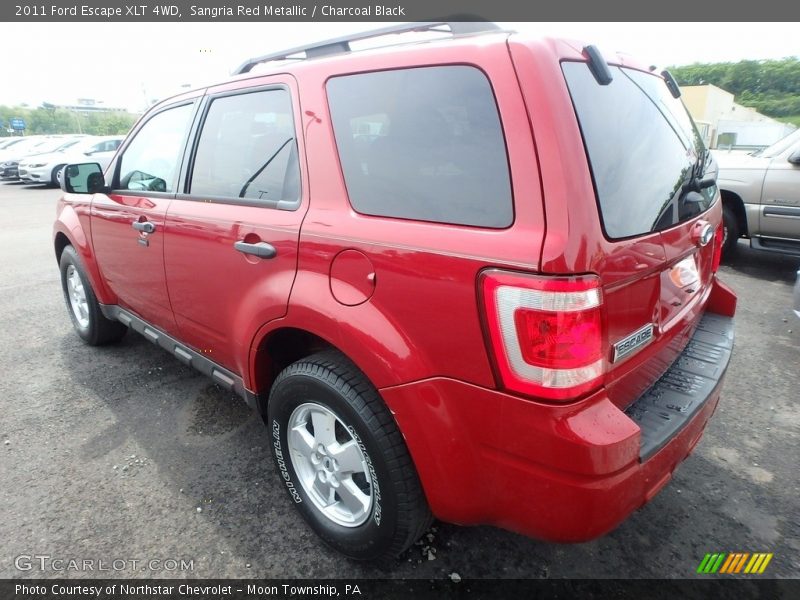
698, 181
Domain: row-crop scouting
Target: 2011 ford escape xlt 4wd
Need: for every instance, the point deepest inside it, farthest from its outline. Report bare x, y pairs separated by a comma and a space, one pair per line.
470, 278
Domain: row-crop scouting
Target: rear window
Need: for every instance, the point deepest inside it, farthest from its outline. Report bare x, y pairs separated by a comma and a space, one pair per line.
642, 147
423, 143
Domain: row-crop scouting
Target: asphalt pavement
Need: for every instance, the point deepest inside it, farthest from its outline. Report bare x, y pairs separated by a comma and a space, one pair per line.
122, 453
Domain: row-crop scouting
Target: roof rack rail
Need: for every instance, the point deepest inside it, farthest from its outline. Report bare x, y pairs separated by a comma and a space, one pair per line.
341, 45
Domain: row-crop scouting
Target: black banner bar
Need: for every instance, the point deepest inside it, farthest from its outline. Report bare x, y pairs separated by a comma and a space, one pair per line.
395, 10
719, 588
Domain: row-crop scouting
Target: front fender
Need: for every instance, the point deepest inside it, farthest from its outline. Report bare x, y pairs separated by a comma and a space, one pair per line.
72, 222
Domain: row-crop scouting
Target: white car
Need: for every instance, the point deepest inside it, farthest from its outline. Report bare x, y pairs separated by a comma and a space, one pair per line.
13, 147
46, 168
11, 157
8, 142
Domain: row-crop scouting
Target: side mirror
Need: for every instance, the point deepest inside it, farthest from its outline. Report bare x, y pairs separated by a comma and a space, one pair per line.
83, 178
794, 157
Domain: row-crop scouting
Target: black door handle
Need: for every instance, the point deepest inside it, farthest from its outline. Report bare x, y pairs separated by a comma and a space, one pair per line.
261, 249
145, 226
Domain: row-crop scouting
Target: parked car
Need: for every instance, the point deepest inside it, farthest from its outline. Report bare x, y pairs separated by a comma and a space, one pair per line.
9, 166
17, 145
8, 142
761, 196
500, 306
46, 168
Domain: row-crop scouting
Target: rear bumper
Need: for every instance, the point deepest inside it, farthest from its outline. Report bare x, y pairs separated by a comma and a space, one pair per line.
560, 473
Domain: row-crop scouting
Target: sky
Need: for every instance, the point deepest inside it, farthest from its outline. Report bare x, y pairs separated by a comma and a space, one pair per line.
129, 64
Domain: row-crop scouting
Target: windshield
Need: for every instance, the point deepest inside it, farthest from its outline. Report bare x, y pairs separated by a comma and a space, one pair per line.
643, 150
85, 145
64, 145
8, 143
24, 145
779, 146
49, 145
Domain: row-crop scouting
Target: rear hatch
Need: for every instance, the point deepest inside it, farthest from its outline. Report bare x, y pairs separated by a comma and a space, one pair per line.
659, 222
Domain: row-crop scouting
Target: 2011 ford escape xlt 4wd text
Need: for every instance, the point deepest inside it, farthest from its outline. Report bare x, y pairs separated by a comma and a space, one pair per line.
470, 278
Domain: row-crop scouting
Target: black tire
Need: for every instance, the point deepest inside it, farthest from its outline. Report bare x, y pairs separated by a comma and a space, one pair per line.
54, 176
731, 231
98, 330
399, 513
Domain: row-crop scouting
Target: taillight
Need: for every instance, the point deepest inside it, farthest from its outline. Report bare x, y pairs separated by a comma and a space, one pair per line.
718, 237
546, 332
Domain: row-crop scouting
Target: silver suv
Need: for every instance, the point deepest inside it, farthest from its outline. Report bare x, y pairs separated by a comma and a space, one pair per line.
761, 196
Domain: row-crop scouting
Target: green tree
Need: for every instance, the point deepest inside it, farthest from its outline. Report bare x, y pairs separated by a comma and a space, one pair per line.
772, 87
50, 119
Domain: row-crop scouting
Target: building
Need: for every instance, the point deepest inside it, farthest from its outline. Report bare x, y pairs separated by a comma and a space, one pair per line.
726, 124
89, 105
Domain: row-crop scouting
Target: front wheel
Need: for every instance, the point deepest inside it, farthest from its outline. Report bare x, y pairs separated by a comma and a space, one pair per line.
55, 176
343, 461
84, 310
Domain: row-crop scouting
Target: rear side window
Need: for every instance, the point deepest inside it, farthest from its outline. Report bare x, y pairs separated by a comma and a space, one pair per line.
642, 147
424, 144
247, 149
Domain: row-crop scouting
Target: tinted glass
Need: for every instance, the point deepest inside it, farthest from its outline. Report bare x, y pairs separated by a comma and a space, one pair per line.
247, 149
642, 147
423, 144
151, 161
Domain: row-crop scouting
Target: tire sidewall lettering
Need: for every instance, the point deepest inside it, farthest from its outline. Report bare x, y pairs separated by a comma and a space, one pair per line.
281, 460
376, 488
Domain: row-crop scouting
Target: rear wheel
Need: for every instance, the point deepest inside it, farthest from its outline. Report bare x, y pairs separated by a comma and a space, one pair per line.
343, 461
730, 231
84, 310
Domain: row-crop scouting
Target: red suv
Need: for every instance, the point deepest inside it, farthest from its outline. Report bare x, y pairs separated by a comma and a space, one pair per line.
471, 277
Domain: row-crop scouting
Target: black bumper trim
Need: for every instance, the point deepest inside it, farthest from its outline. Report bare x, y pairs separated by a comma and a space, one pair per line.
663, 410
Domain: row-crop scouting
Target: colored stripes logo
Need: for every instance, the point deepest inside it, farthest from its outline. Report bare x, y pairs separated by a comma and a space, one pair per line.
734, 563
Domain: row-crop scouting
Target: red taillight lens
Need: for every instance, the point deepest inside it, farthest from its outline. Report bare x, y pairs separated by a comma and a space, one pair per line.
718, 235
546, 332
558, 340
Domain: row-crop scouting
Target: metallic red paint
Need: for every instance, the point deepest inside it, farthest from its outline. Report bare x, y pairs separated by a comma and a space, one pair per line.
72, 222
566, 474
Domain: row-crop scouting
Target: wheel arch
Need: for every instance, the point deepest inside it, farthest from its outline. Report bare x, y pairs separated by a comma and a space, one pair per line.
285, 340
60, 242
69, 232
736, 204
275, 351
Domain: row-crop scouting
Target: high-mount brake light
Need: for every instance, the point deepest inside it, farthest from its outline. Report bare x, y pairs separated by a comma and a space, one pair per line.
546, 332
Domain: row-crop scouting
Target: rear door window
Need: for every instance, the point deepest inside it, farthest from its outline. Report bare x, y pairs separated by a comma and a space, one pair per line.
424, 144
248, 150
642, 148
